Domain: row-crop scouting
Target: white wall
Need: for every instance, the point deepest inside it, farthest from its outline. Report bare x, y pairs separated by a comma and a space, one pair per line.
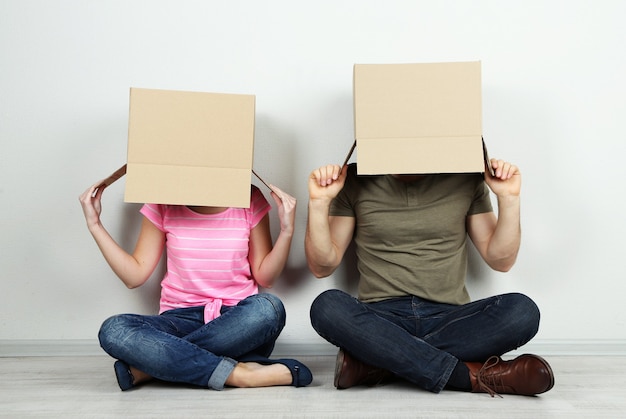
553, 103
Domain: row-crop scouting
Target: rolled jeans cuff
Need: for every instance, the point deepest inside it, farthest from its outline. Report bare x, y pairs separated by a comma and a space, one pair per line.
445, 377
221, 373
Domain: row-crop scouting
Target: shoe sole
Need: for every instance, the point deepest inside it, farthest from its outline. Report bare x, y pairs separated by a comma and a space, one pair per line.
338, 368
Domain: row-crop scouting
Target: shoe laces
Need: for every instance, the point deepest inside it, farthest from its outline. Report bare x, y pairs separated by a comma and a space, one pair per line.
487, 382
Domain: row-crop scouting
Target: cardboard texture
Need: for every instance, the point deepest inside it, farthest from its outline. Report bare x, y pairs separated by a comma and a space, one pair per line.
267, 185
418, 118
190, 148
114, 176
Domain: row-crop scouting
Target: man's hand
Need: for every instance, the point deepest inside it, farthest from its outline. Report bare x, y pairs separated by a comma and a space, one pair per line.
507, 180
326, 182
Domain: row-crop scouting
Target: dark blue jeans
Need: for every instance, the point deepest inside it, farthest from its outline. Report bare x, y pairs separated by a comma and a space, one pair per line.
178, 346
420, 340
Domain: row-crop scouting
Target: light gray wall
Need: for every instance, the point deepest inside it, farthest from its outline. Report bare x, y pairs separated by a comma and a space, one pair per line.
553, 86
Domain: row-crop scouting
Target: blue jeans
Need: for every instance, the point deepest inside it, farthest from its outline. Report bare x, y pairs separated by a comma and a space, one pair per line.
420, 340
178, 346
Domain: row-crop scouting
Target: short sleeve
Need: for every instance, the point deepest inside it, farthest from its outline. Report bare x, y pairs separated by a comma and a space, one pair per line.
259, 206
482, 201
154, 213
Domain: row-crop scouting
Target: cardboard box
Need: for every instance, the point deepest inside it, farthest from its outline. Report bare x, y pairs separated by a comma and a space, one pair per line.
418, 118
190, 148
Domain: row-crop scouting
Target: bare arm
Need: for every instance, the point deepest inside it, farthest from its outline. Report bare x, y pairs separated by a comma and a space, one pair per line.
327, 238
133, 269
267, 261
498, 239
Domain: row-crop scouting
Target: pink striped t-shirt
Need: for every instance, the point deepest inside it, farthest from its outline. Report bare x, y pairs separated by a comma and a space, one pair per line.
207, 254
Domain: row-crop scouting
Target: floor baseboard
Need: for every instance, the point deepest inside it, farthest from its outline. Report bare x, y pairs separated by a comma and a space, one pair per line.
88, 347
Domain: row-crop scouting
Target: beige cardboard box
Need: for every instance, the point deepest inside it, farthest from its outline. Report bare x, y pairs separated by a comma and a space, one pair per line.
190, 148
418, 118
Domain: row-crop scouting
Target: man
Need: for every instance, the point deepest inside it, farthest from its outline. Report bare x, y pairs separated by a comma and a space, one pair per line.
413, 317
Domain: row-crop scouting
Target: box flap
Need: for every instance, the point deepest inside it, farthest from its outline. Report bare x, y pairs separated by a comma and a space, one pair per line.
190, 148
418, 118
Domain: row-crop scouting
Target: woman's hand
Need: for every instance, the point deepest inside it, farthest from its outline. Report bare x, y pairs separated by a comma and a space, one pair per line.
91, 201
286, 209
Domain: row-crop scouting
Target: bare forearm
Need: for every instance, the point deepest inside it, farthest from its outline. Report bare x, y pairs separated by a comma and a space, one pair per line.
505, 242
321, 253
124, 265
275, 261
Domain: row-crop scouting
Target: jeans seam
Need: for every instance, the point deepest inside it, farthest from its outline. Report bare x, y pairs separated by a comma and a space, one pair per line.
457, 319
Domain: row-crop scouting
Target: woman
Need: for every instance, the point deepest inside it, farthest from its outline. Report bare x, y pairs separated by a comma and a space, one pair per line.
213, 329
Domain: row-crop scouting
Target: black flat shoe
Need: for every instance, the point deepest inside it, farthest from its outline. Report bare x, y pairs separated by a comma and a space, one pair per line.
299, 372
124, 376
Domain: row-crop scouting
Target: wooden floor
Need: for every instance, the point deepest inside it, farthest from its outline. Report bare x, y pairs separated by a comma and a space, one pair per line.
85, 387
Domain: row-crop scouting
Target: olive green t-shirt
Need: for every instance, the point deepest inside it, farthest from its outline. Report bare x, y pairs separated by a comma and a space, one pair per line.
410, 237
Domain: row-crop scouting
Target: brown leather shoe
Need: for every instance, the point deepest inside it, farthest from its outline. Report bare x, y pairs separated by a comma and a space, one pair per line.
525, 375
350, 372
